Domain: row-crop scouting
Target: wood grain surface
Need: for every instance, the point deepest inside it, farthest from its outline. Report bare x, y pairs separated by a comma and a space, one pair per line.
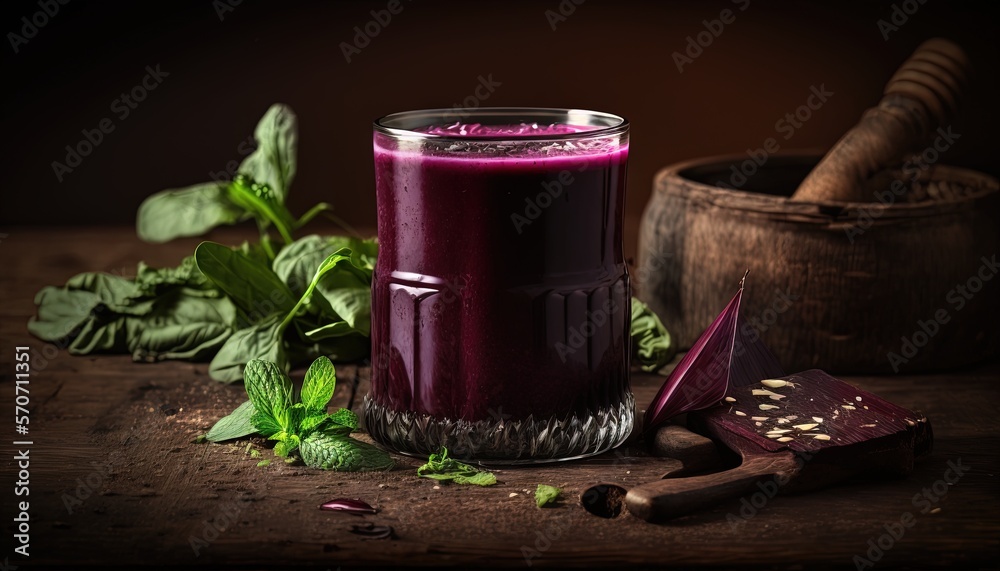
116, 482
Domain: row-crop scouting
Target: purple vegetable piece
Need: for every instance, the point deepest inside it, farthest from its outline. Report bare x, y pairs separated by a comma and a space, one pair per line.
728, 353
348, 505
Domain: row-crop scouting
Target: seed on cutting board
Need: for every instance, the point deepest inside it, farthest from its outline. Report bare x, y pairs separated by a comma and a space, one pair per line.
758, 418
818, 420
821, 436
848, 407
783, 421
759, 423
740, 413
778, 431
730, 399
857, 399
774, 436
785, 439
766, 393
805, 426
774, 383
767, 407
868, 426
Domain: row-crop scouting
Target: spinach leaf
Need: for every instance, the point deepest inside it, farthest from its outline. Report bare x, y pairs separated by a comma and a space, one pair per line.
297, 262
651, 345
61, 312
236, 425
250, 284
274, 161
262, 340
444, 469
190, 211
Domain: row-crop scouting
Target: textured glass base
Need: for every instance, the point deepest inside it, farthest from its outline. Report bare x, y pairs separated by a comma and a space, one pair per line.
502, 441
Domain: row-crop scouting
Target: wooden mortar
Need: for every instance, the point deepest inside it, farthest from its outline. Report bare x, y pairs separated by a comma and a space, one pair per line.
818, 298
839, 281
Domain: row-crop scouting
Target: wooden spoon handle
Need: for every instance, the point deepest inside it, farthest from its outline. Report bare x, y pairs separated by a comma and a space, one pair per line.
665, 499
924, 94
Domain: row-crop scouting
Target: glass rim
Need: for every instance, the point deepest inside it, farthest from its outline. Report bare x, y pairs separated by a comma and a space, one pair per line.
616, 123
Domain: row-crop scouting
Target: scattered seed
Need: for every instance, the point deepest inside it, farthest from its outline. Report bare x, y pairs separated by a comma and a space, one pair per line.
785, 439
759, 423
774, 383
866, 407
910, 422
758, 418
818, 420
436, 488
765, 393
857, 399
936, 510
740, 413
730, 399
805, 426
767, 407
792, 417
778, 430
513, 495
867, 426
783, 421
848, 407
821, 436
774, 436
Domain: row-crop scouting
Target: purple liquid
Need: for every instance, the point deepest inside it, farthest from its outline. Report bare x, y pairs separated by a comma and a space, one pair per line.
485, 307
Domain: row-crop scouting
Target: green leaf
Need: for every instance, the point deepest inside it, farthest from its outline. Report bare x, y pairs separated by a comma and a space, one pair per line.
346, 417
274, 161
190, 211
297, 262
156, 281
330, 330
236, 425
260, 200
342, 453
181, 327
270, 391
250, 284
287, 445
350, 298
545, 495
61, 312
313, 422
651, 344
262, 340
442, 468
318, 385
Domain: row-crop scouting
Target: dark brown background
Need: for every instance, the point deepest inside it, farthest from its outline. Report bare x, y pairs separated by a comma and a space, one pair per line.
612, 56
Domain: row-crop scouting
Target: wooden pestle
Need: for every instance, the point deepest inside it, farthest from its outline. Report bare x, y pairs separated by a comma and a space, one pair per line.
922, 96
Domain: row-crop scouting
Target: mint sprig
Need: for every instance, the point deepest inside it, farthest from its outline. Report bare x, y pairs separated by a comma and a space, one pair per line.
444, 469
304, 428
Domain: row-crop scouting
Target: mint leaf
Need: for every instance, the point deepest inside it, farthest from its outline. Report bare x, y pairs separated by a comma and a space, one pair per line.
236, 425
442, 468
270, 391
545, 495
346, 417
287, 445
342, 454
319, 384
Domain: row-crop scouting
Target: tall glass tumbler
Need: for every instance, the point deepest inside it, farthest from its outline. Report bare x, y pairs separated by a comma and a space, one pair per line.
500, 301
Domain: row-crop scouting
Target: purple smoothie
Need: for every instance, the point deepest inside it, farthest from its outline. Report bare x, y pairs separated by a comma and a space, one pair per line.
500, 290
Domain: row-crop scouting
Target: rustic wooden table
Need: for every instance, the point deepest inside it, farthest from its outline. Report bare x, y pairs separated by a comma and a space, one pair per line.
115, 479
